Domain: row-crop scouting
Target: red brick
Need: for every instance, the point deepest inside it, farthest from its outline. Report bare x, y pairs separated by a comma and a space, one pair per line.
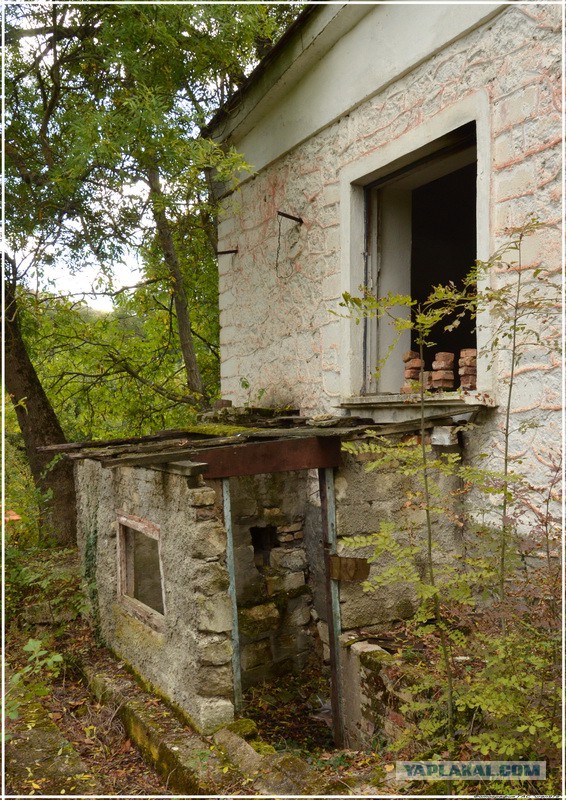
470, 352
468, 382
414, 363
443, 375
409, 355
467, 371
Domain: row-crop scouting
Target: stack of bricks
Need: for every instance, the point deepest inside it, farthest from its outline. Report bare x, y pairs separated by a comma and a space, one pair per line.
467, 368
443, 371
413, 366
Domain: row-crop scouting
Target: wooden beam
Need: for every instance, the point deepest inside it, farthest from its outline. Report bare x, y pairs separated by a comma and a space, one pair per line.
252, 458
282, 455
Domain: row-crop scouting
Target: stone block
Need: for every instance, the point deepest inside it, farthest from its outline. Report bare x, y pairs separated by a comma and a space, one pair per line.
322, 629
239, 751
292, 560
294, 528
293, 580
215, 681
214, 614
298, 612
256, 653
359, 698
210, 713
214, 651
258, 621
201, 496
208, 540
210, 578
359, 608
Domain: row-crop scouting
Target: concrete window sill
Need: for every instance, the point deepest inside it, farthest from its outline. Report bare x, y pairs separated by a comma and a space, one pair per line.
460, 406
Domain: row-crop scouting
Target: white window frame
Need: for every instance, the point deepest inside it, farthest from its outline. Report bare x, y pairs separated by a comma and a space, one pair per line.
370, 168
125, 572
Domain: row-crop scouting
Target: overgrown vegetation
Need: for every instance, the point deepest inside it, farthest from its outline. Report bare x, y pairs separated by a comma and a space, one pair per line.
108, 166
484, 682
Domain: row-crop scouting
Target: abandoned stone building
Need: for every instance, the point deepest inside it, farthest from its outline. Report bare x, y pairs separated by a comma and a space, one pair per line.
388, 147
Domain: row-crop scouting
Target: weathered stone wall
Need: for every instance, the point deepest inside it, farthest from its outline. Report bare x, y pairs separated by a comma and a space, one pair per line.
286, 278
189, 660
272, 575
365, 500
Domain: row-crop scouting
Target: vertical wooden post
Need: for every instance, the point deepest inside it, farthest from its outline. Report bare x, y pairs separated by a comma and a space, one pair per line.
236, 665
328, 509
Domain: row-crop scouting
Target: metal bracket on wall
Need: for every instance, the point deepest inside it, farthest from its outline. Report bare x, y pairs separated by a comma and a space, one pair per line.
290, 216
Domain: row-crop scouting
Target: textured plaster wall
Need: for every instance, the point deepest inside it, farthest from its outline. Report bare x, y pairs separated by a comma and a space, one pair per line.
190, 659
277, 293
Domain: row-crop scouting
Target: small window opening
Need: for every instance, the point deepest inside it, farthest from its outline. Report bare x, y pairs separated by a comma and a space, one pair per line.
140, 564
264, 539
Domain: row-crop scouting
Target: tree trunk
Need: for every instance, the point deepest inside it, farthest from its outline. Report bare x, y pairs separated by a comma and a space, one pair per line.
39, 426
165, 234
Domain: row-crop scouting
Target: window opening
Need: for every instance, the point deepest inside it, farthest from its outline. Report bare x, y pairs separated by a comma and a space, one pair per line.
264, 539
140, 564
420, 232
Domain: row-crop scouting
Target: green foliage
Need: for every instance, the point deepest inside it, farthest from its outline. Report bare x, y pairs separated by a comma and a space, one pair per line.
30, 682
48, 579
484, 682
21, 495
118, 95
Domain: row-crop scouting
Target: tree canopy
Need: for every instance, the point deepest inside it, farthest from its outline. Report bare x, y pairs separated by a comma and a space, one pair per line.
106, 161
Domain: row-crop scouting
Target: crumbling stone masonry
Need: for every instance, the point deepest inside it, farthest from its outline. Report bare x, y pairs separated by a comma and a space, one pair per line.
188, 656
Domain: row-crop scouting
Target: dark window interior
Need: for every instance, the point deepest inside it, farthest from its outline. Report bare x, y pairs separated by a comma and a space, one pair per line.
444, 247
263, 540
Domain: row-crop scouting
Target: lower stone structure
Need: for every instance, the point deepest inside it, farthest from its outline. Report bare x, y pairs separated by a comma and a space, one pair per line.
154, 543
186, 652
272, 574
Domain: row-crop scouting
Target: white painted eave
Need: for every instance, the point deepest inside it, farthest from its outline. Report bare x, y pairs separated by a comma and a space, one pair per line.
308, 46
318, 76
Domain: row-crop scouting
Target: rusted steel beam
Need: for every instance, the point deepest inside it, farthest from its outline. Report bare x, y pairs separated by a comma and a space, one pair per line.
283, 455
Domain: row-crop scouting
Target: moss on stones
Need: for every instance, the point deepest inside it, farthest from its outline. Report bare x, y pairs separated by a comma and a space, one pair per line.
263, 748
246, 728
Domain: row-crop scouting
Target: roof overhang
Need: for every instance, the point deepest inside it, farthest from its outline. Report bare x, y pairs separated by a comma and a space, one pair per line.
306, 41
